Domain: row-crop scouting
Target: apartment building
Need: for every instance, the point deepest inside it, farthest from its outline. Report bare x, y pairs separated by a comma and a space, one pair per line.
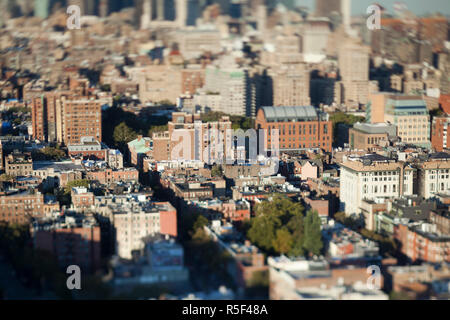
21, 207
88, 147
73, 240
82, 199
367, 136
188, 138
354, 87
291, 85
63, 117
81, 118
423, 242
233, 85
371, 177
134, 218
298, 279
411, 116
408, 113
299, 128
109, 175
19, 164
440, 129
434, 175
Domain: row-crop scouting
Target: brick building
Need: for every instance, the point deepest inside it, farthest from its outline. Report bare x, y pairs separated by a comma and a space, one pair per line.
135, 218
88, 148
19, 164
105, 176
299, 127
82, 200
423, 242
366, 136
73, 240
21, 207
440, 129
62, 117
188, 138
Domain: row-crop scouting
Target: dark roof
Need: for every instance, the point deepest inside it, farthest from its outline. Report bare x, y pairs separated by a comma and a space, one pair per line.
440, 155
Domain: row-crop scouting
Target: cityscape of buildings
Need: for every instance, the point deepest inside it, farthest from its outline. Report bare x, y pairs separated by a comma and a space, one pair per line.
245, 149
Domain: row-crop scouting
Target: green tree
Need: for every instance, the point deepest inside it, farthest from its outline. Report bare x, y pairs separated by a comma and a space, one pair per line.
76, 183
6, 177
272, 216
156, 129
296, 226
313, 235
217, 171
262, 231
200, 223
123, 134
49, 154
283, 241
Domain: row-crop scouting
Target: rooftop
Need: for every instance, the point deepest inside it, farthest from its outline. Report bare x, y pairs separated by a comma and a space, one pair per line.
284, 114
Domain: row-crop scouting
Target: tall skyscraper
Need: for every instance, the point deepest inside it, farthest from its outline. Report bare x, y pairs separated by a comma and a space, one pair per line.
354, 87
291, 85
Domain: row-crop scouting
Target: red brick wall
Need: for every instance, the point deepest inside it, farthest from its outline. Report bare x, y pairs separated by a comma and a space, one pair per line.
168, 222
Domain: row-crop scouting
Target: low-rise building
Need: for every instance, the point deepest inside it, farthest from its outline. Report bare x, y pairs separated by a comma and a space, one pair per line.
366, 136
109, 175
300, 279
423, 242
82, 199
72, 239
19, 164
21, 207
135, 217
373, 176
161, 263
434, 175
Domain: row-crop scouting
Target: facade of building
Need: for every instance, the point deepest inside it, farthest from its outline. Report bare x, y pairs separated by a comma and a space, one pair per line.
423, 242
105, 176
233, 85
135, 218
366, 136
188, 138
411, 116
19, 164
74, 240
440, 129
370, 177
291, 85
299, 128
66, 119
21, 207
434, 175
88, 148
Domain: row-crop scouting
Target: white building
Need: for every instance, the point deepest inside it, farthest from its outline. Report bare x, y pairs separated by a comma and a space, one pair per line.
371, 177
434, 175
